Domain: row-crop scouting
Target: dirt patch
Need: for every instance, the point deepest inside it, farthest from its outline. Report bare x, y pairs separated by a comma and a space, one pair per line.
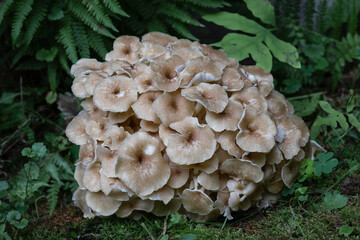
64, 217
351, 185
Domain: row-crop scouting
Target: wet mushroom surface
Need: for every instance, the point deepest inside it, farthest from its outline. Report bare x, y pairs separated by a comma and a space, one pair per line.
169, 125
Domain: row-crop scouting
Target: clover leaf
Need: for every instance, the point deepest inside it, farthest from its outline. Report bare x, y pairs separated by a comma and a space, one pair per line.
334, 200
324, 163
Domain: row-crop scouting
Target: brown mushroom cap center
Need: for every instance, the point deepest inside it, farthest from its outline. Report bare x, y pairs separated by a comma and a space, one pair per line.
170, 74
127, 50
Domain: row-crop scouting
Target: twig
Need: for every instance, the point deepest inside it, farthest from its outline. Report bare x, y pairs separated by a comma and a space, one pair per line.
165, 226
147, 230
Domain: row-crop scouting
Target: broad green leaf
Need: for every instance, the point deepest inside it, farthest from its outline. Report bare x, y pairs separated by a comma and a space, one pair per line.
56, 13
8, 97
321, 63
334, 116
262, 9
351, 103
51, 97
313, 50
22, 224
324, 163
39, 149
234, 21
353, 121
4, 185
283, 51
26, 152
241, 46
33, 170
334, 201
13, 216
346, 230
47, 55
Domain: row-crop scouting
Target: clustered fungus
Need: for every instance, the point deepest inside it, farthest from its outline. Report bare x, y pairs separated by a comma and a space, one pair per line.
169, 125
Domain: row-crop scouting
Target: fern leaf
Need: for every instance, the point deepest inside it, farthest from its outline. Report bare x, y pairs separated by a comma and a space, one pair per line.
97, 43
64, 62
30, 64
321, 18
115, 7
22, 9
179, 14
80, 39
19, 54
53, 194
66, 38
182, 30
62, 163
52, 72
156, 25
33, 23
205, 4
309, 14
98, 12
84, 16
4, 6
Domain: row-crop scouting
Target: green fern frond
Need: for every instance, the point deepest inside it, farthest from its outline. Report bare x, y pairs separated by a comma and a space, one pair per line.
53, 194
115, 7
97, 43
64, 62
19, 54
156, 25
205, 4
33, 23
52, 73
181, 29
322, 17
22, 9
63, 164
309, 13
80, 39
53, 171
95, 8
179, 14
84, 16
30, 64
65, 37
4, 6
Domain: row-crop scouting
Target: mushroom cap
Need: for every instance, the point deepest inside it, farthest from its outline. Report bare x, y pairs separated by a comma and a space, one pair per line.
120, 117
165, 73
160, 38
256, 158
278, 105
290, 171
209, 181
80, 201
75, 130
263, 78
78, 87
161, 209
192, 144
200, 69
274, 156
93, 111
290, 138
125, 48
250, 98
240, 189
178, 177
148, 126
275, 187
165, 132
211, 96
151, 49
143, 107
312, 148
144, 81
115, 94
301, 125
91, 177
181, 43
172, 107
85, 65
87, 153
164, 194
231, 80
227, 140
257, 131
92, 80
242, 170
113, 136
187, 53
128, 207
101, 204
196, 201
96, 129
114, 188
227, 119
209, 166
140, 164
108, 159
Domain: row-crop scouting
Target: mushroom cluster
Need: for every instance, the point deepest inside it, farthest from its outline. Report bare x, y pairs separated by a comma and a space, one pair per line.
173, 125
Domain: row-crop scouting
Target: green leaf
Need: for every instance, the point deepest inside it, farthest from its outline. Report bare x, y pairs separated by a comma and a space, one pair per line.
55, 13
46, 55
262, 9
234, 21
283, 51
321, 63
26, 152
39, 149
13, 216
33, 170
4, 7
115, 7
22, 9
291, 85
346, 230
51, 74
241, 46
334, 201
334, 116
4, 185
188, 236
310, 103
351, 103
22, 224
8, 97
51, 97
175, 218
324, 163
313, 50
353, 121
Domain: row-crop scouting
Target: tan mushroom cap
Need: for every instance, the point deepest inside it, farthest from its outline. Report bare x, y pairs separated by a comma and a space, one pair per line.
96, 129
181, 43
165, 132
187, 53
114, 188
151, 50
164, 194
117, 67
115, 94
125, 48
143, 107
263, 78
269, 172
165, 73
172, 107
85, 65
290, 137
209, 181
93, 111
275, 187
179, 176
200, 69
231, 80
159, 38
140, 164
128, 207
192, 144
301, 125
227, 140
242, 170
80, 201
241, 189
213, 54
114, 135
143, 81
209, 166
196, 201
79, 175
101, 204
250, 98
160, 209
275, 156
258, 159
75, 130
290, 171
78, 87
211, 96
92, 80
227, 119
120, 117
257, 132
148, 126
312, 148
278, 105
91, 178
